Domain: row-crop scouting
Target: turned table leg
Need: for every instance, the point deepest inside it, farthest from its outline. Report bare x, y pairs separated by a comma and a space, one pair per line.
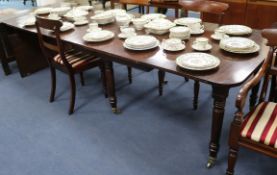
219, 94
111, 86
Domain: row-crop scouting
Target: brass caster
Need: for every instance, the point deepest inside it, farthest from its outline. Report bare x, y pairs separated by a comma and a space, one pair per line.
211, 162
116, 110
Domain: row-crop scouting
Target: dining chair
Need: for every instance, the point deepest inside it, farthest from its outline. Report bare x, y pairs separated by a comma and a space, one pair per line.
273, 88
69, 60
256, 130
141, 4
202, 6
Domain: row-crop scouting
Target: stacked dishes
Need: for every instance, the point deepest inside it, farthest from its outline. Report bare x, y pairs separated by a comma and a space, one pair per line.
195, 24
141, 42
197, 61
66, 26
159, 26
85, 7
180, 32
43, 11
104, 17
239, 45
153, 16
236, 29
75, 13
116, 11
30, 21
98, 36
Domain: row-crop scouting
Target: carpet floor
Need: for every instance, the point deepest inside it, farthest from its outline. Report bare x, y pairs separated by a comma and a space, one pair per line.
152, 136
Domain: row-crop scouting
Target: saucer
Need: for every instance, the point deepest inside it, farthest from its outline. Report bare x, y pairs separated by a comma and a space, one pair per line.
208, 47
123, 36
213, 36
80, 23
197, 32
93, 30
172, 49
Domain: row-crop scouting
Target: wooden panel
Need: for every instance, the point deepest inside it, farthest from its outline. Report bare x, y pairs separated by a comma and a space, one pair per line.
261, 14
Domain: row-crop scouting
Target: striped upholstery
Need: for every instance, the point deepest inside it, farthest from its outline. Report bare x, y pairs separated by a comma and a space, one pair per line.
260, 125
76, 58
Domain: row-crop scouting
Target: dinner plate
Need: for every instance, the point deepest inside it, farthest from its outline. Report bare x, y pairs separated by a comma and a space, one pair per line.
141, 41
60, 10
213, 36
29, 22
236, 29
66, 26
187, 20
236, 43
198, 61
123, 36
43, 11
208, 47
153, 16
85, 7
253, 49
145, 48
98, 36
81, 23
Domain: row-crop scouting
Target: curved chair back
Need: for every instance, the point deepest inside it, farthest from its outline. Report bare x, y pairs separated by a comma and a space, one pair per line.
205, 6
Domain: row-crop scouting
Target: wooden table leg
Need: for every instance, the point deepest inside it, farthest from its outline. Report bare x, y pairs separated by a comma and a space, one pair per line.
220, 95
111, 86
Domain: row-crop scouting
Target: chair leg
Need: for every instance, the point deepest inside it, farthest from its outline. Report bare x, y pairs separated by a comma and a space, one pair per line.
130, 77
6, 68
161, 75
186, 79
53, 84
103, 79
196, 94
233, 154
82, 79
73, 94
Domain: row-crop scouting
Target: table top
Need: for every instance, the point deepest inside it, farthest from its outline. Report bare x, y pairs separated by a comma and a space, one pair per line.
234, 69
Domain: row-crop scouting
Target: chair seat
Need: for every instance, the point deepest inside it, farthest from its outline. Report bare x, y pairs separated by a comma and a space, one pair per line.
77, 59
260, 124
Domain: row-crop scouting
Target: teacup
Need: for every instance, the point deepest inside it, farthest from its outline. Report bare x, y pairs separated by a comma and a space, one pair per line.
195, 26
201, 42
219, 33
94, 26
172, 43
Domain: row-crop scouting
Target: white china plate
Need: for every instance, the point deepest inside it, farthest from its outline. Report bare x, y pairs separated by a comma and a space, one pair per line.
213, 36
66, 26
60, 10
85, 8
197, 61
163, 46
123, 36
236, 29
43, 11
194, 32
94, 37
254, 49
141, 41
93, 30
208, 47
187, 20
146, 48
81, 23
237, 43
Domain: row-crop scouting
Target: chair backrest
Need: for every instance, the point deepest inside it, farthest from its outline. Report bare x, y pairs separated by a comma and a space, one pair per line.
205, 6
47, 45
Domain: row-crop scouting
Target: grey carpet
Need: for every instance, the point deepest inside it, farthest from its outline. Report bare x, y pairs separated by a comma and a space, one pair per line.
153, 135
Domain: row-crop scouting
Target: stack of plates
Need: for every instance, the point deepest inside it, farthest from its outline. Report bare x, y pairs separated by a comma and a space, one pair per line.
180, 32
239, 45
141, 42
159, 26
30, 21
187, 20
43, 11
60, 10
236, 29
85, 7
98, 36
75, 13
197, 61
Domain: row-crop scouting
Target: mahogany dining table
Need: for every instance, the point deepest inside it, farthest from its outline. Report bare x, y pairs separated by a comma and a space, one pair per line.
233, 71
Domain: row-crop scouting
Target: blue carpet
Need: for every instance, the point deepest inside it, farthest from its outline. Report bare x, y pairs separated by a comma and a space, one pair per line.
18, 4
153, 135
